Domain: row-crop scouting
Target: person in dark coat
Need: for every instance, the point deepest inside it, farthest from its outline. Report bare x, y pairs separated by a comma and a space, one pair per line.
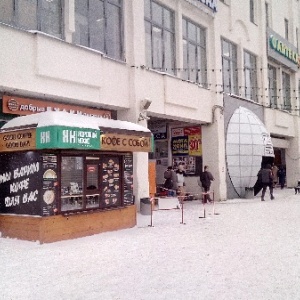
266, 176
281, 176
170, 181
206, 179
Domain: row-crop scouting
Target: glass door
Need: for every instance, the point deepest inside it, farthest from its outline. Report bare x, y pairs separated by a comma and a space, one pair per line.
92, 182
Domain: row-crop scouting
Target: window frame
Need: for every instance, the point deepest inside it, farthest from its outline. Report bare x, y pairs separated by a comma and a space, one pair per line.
272, 85
286, 29
250, 72
252, 10
38, 17
231, 59
86, 195
104, 41
286, 91
154, 26
200, 62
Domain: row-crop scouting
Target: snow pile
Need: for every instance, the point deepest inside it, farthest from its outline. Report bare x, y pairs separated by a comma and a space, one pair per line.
250, 250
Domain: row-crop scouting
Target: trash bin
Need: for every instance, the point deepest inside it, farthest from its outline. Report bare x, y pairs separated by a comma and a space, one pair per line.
249, 192
145, 206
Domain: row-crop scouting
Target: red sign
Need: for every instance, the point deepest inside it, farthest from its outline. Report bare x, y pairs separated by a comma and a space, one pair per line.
26, 106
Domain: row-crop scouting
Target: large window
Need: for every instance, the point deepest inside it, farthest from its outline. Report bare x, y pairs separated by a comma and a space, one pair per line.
250, 76
194, 53
229, 66
160, 37
98, 25
286, 91
272, 78
42, 15
95, 182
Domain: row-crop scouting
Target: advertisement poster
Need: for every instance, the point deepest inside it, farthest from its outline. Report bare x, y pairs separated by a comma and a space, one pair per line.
186, 145
111, 181
50, 184
20, 183
128, 179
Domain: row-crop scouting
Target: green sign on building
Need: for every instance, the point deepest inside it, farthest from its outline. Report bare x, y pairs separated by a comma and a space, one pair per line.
64, 137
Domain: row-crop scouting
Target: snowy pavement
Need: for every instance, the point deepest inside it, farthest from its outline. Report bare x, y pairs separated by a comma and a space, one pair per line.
249, 250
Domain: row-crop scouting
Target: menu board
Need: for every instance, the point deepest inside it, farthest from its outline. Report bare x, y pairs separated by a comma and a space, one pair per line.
50, 184
128, 179
20, 183
111, 195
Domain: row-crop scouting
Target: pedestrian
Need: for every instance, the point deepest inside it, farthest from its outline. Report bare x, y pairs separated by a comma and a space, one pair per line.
281, 176
206, 178
170, 181
266, 176
275, 175
181, 181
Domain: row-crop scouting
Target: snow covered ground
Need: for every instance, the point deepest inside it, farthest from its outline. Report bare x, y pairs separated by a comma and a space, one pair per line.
249, 250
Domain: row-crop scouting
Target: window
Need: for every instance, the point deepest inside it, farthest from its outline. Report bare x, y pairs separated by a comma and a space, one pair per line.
229, 66
297, 38
71, 183
98, 25
267, 14
286, 91
272, 86
286, 28
250, 76
160, 37
42, 15
95, 182
252, 11
194, 53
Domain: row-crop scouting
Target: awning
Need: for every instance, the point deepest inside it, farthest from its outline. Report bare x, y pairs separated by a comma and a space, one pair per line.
62, 130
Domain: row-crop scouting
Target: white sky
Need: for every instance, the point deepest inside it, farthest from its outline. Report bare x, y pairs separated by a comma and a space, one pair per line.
250, 250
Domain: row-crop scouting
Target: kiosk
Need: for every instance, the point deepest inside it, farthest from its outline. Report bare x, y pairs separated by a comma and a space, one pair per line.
64, 176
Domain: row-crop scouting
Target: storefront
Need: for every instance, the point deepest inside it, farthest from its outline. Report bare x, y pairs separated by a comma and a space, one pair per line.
65, 176
177, 143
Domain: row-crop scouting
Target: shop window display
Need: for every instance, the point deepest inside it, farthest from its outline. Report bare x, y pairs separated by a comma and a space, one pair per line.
71, 183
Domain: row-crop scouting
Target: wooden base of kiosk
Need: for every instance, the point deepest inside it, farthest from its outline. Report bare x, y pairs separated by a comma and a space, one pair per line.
64, 227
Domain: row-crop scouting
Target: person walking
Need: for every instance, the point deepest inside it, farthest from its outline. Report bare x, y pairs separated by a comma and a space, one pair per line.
170, 181
267, 181
181, 182
206, 179
281, 176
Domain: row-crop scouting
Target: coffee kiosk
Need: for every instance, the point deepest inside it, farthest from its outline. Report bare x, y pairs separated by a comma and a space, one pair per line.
64, 176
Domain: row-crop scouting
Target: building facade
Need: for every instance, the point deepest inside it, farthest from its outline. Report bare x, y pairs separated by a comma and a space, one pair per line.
186, 69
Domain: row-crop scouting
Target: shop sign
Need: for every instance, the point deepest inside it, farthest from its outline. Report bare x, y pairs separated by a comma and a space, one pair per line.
19, 140
192, 130
283, 49
20, 183
268, 146
63, 137
121, 142
180, 145
177, 132
212, 4
159, 131
26, 106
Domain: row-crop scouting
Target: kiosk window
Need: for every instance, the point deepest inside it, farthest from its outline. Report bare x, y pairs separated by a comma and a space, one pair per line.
71, 183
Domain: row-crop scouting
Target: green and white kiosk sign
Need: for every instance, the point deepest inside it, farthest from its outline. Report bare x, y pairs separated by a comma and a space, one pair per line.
63, 137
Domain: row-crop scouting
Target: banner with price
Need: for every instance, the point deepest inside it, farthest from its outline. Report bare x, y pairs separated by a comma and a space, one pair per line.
195, 145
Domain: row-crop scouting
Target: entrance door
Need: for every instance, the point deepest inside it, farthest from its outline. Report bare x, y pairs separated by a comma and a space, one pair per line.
92, 183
